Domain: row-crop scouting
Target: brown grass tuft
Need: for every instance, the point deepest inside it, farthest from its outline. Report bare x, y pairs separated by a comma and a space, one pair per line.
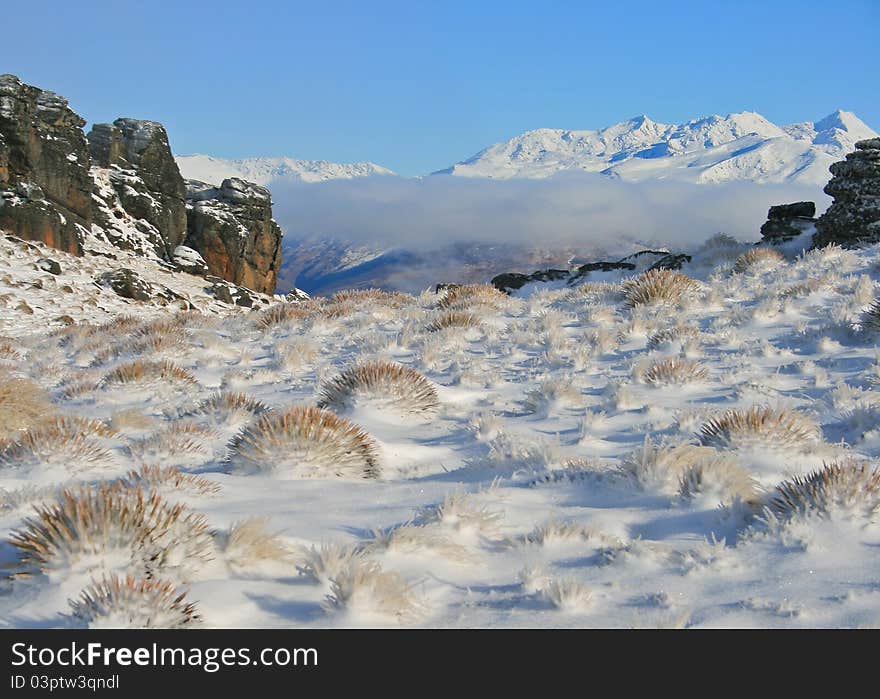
674, 371
128, 603
305, 442
454, 319
172, 478
113, 524
765, 258
22, 404
68, 442
659, 286
775, 428
841, 487
393, 384
140, 371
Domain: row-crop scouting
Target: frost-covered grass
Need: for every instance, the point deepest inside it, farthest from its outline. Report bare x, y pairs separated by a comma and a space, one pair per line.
695, 448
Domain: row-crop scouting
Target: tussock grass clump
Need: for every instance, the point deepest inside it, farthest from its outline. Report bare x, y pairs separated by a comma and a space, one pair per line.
760, 426
411, 539
67, 442
567, 594
454, 319
469, 295
323, 564
113, 526
659, 286
720, 477
660, 467
758, 258
128, 603
179, 440
850, 488
226, 407
141, 371
678, 333
361, 296
870, 319
552, 393
305, 442
282, 313
364, 588
674, 371
384, 382
462, 512
172, 478
22, 403
249, 542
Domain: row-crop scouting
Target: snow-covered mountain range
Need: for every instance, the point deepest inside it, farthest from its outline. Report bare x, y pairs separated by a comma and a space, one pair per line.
743, 146
264, 171
739, 147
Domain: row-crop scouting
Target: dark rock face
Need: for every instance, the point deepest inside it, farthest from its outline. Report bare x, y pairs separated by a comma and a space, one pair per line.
644, 259
145, 178
854, 215
788, 221
45, 186
232, 227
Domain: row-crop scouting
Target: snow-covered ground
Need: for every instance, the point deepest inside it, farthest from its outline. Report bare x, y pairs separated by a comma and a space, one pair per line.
570, 462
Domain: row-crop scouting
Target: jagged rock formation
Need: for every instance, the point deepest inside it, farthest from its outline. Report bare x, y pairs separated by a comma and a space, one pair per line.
788, 221
141, 172
45, 187
509, 282
122, 186
233, 229
854, 215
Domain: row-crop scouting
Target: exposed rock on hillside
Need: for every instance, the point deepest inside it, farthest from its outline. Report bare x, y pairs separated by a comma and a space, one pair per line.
643, 260
233, 229
143, 175
854, 215
788, 221
45, 187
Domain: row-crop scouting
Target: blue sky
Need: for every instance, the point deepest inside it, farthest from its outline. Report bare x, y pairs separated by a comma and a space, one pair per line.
416, 86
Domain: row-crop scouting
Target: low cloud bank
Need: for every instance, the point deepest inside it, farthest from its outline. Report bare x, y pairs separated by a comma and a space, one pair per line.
566, 210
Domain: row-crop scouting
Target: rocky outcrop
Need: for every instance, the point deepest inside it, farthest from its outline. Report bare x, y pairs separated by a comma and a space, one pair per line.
188, 260
232, 227
643, 260
45, 186
144, 181
788, 221
854, 215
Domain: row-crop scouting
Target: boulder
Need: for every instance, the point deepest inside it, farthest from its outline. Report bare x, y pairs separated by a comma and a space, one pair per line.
788, 221
854, 216
230, 293
188, 260
126, 283
49, 265
45, 186
233, 229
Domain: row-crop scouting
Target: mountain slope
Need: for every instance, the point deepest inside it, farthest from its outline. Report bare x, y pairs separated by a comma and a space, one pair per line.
743, 146
264, 171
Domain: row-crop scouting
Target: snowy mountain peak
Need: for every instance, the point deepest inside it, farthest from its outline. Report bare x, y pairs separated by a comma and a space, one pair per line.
740, 146
264, 171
